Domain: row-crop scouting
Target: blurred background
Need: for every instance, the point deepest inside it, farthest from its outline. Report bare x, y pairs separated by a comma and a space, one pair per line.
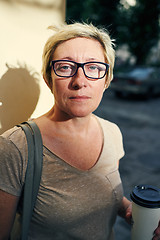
133, 99
134, 24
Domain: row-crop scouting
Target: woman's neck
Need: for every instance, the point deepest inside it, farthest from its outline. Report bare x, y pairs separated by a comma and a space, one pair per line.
64, 122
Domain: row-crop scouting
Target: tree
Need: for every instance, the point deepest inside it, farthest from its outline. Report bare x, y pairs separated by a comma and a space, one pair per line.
99, 12
140, 28
136, 26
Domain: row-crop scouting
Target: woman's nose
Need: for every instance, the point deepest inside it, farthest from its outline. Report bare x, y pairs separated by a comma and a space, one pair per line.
79, 80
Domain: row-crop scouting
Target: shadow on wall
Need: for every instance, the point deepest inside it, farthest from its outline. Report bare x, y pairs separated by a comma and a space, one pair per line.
19, 94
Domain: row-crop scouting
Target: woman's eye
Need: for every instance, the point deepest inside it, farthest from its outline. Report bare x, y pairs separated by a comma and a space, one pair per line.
64, 67
93, 67
97, 67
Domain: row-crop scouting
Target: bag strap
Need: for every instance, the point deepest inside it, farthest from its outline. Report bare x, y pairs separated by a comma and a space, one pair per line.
33, 173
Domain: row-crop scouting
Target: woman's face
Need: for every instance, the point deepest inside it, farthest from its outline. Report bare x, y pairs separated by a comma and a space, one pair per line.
78, 96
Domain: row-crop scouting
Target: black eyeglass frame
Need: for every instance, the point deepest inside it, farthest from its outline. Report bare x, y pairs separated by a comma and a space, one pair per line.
78, 66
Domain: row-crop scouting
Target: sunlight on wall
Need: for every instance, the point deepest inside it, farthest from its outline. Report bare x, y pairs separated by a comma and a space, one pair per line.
23, 35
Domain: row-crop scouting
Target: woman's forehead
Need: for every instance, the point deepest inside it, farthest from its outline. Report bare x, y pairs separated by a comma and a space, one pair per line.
79, 46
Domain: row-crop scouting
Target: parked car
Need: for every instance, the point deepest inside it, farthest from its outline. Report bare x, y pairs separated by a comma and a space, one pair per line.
144, 81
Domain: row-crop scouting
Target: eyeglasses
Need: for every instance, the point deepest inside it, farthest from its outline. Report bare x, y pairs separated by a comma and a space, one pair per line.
92, 70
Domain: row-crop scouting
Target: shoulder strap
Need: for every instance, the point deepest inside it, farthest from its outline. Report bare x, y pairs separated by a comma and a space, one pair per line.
33, 173
38, 158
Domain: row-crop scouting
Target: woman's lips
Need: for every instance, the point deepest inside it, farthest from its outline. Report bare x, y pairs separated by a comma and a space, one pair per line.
79, 98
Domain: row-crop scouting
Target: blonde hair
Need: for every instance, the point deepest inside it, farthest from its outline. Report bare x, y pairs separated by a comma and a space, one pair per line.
66, 32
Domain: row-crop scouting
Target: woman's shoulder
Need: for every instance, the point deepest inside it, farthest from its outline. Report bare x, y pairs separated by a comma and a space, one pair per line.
13, 160
108, 125
12, 131
111, 131
13, 137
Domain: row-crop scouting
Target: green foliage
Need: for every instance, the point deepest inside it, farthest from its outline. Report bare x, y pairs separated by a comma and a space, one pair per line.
137, 26
99, 12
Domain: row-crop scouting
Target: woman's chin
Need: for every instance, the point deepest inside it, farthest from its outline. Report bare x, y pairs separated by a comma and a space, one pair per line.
80, 113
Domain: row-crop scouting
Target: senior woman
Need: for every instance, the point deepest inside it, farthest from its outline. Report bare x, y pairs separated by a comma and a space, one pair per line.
80, 191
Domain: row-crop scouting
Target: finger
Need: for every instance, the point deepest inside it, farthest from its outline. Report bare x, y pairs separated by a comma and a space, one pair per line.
129, 218
156, 238
157, 230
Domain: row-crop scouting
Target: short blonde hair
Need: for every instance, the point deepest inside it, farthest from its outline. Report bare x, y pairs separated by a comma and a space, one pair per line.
66, 32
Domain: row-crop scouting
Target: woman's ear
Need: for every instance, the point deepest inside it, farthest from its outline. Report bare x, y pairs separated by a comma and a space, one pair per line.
107, 83
49, 83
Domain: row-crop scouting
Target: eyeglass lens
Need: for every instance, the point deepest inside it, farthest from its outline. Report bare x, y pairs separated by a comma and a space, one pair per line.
93, 70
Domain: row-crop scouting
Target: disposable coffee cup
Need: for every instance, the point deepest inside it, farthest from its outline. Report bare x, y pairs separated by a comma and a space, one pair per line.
145, 211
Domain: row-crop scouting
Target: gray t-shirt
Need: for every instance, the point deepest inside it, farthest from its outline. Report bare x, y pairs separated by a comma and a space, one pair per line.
71, 204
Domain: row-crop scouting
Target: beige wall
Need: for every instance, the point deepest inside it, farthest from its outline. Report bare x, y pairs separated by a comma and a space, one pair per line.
23, 30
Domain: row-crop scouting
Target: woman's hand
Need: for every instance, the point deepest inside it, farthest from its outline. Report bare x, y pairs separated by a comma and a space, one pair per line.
157, 233
128, 214
125, 210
